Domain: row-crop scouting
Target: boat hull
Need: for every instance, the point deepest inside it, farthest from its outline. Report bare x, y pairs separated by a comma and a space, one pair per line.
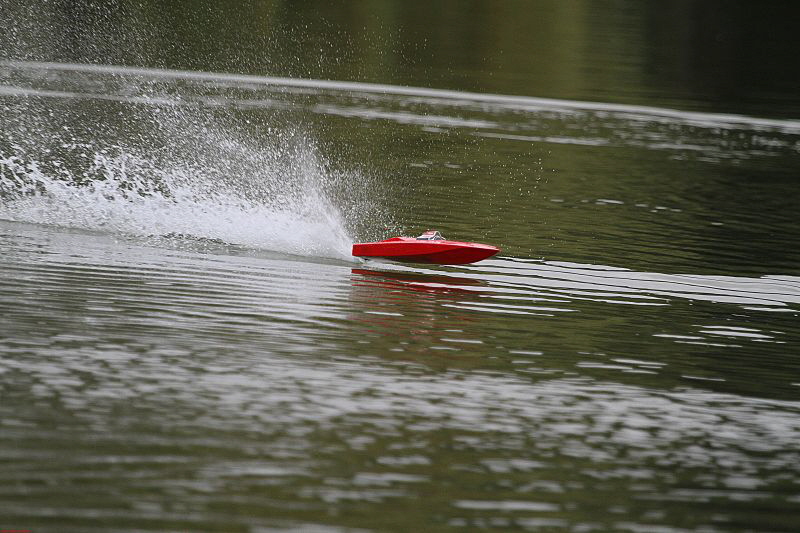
410, 250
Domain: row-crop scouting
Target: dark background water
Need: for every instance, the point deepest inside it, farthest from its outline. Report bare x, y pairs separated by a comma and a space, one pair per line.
712, 55
185, 343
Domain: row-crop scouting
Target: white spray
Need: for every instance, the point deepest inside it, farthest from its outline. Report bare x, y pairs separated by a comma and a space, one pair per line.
156, 169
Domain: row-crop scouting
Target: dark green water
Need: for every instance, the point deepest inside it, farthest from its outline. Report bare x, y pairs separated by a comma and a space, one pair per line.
186, 343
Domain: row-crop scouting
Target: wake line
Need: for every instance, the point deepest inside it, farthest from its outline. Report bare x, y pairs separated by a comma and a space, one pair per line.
638, 112
711, 288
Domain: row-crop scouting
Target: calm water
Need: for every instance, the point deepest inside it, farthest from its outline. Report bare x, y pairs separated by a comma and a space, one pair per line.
186, 343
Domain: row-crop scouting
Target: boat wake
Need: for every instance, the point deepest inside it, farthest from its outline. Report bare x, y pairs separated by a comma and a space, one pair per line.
125, 193
154, 168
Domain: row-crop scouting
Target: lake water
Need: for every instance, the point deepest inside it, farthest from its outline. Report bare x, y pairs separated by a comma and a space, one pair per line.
186, 343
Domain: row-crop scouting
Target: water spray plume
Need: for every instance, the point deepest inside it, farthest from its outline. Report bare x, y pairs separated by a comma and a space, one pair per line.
172, 170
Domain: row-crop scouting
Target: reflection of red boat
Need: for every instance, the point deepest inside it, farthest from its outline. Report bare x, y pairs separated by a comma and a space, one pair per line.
418, 282
430, 247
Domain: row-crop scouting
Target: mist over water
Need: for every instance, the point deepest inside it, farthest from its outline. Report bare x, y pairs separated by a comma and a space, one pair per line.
186, 343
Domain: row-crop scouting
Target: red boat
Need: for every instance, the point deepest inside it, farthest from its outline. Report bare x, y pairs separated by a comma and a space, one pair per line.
430, 247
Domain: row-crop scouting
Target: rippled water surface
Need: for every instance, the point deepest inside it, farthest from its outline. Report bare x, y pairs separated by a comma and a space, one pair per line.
186, 343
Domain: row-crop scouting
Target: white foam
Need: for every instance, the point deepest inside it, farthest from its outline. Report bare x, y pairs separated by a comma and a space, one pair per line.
215, 186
